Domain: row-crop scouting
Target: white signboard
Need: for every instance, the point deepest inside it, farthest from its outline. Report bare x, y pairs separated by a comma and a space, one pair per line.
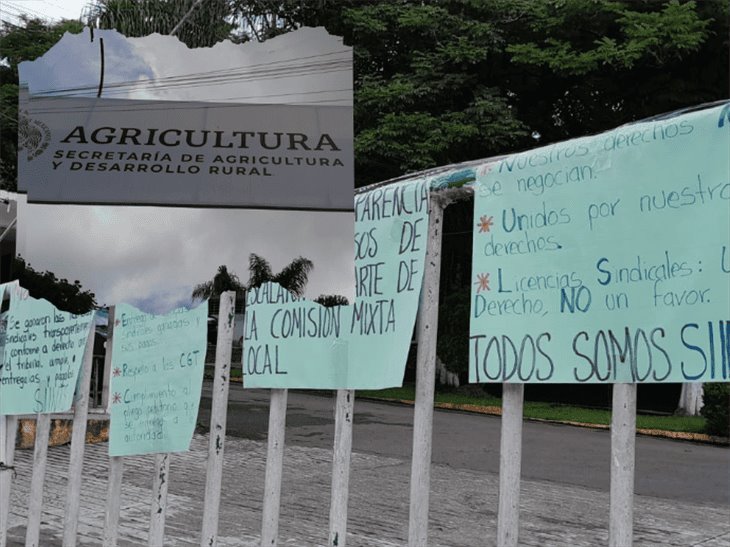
225, 151
112, 151
105, 119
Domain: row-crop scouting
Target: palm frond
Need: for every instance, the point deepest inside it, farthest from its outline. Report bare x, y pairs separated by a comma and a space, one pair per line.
259, 271
222, 281
331, 300
295, 275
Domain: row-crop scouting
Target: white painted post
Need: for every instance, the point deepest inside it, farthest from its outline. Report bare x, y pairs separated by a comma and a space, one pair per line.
274, 468
159, 500
218, 417
510, 465
425, 380
78, 442
344, 407
8, 432
116, 463
623, 442
108, 359
35, 505
113, 501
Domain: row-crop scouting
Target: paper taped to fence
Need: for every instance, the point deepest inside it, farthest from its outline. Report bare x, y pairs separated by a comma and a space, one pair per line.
156, 379
606, 259
42, 354
291, 343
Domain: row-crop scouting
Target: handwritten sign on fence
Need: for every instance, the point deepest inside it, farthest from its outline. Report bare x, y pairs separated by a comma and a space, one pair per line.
606, 259
41, 355
156, 379
291, 343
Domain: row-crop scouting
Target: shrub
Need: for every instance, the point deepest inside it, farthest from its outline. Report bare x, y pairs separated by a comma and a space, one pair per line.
716, 409
453, 333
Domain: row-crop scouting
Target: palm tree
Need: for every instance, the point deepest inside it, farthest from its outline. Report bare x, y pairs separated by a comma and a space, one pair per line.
292, 277
222, 281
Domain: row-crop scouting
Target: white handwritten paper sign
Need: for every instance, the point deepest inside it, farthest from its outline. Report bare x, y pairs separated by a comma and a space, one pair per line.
606, 259
292, 343
41, 356
156, 379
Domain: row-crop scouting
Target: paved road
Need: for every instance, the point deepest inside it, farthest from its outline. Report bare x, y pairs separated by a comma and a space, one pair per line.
676, 470
563, 502
462, 512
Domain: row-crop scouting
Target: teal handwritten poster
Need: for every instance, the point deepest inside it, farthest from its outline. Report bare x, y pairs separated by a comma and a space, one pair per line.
606, 258
5, 293
156, 379
41, 355
291, 343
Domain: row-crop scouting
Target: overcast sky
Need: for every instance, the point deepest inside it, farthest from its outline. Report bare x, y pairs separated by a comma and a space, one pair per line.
152, 256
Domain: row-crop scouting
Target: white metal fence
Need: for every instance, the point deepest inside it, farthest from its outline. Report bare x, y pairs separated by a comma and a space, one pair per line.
620, 520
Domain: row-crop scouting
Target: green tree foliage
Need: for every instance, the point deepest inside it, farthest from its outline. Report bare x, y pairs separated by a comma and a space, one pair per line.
452, 80
421, 95
453, 333
19, 43
716, 409
63, 294
580, 66
206, 24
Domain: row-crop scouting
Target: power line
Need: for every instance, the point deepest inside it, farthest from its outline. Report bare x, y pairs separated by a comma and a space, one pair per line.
27, 10
165, 105
169, 105
15, 13
220, 76
217, 82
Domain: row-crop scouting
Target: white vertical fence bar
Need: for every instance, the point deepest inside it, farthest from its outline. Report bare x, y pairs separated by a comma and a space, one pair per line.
218, 418
274, 468
113, 501
623, 442
425, 379
35, 504
344, 407
510, 465
8, 432
108, 359
116, 463
158, 508
78, 442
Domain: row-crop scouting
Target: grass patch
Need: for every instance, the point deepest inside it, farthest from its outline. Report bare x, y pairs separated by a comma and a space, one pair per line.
551, 411
209, 372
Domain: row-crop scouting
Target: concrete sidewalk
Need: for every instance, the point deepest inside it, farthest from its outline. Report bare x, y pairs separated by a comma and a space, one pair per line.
463, 503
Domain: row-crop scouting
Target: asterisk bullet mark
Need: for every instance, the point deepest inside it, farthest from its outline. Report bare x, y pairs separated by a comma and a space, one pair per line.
116, 399
485, 223
482, 282
117, 372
